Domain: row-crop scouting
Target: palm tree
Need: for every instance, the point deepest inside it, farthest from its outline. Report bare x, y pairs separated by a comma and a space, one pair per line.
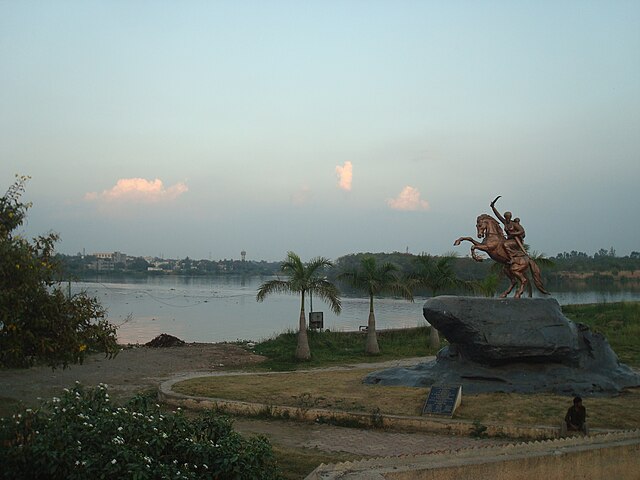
303, 278
435, 274
374, 280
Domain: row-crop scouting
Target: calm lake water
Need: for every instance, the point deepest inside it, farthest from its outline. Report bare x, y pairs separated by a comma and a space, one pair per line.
225, 309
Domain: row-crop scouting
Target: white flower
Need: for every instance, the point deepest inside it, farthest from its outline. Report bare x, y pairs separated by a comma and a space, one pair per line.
119, 429
114, 461
164, 435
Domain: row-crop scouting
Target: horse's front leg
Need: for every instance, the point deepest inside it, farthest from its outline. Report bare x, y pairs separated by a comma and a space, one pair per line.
467, 239
476, 245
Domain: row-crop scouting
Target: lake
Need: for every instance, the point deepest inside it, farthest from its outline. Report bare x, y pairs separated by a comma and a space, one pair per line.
216, 309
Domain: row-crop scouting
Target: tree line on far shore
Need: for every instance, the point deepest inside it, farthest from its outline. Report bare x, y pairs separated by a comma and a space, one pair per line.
602, 266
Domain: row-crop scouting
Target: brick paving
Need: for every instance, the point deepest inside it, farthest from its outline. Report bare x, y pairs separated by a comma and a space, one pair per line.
356, 441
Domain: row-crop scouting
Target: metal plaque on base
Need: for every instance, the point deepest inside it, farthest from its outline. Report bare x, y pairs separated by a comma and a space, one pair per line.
443, 400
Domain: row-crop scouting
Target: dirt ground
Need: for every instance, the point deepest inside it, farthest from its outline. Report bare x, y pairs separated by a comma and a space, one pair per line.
132, 370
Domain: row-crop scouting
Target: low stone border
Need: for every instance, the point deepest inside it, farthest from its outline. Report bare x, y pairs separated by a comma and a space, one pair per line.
355, 419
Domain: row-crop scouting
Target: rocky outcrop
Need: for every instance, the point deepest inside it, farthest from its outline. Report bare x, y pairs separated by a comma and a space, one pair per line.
513, 345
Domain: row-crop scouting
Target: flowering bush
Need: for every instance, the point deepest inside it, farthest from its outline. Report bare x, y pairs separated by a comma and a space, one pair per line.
82, 435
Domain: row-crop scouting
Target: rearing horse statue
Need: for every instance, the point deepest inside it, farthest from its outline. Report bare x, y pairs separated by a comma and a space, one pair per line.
515, 263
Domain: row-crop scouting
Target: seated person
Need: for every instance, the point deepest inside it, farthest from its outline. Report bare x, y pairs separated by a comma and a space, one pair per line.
576, 418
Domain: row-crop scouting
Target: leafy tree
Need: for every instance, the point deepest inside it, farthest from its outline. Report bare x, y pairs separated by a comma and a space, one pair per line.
303, 278
38, 323
375, 279
138, 264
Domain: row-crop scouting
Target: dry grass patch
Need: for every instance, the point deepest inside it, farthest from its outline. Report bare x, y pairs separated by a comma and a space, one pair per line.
338, 390
622, 411
344, 390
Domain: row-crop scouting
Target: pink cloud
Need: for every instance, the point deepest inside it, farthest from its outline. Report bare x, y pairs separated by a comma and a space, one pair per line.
345, 174
139, 190
408, 199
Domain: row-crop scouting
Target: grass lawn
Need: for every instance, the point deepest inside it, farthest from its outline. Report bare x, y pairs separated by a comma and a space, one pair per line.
344, 390
618, 322
332, 348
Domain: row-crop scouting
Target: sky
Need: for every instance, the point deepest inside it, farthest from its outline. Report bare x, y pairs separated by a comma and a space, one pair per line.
205, 128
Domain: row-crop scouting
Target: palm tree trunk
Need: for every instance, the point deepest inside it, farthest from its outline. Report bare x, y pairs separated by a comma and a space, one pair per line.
434, 338
303, 352
372, 341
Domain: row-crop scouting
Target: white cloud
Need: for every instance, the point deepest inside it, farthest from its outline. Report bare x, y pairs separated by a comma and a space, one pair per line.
139, 190
345, 174
408, 199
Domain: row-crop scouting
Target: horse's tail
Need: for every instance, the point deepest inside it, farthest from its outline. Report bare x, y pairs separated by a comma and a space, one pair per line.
537, 277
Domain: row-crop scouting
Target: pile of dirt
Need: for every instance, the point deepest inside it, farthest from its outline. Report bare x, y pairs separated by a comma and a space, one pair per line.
165, 340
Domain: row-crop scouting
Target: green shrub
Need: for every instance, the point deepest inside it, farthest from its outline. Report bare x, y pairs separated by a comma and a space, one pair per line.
82, 435
38, 322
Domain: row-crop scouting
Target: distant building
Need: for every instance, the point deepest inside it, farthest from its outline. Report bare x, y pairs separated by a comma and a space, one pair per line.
108, 261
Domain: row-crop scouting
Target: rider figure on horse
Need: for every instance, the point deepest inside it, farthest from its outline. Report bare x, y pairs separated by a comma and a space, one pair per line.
515, 232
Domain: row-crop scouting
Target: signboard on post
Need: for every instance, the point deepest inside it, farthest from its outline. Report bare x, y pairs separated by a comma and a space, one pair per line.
315, 320
443, 400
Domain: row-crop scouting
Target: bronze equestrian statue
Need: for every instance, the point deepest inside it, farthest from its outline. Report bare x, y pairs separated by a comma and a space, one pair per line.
505, 249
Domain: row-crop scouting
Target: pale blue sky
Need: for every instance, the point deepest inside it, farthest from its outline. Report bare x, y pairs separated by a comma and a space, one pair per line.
243, 110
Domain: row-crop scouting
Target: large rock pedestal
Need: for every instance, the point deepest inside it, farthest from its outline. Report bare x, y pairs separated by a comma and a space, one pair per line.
521, 345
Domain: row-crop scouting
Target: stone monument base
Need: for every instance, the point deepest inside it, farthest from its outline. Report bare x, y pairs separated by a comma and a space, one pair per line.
513, 345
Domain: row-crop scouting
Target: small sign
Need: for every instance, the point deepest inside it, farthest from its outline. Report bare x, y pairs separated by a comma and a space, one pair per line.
315, 320
443, 400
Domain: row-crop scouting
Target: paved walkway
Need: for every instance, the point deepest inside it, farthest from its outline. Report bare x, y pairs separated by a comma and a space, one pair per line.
356, 441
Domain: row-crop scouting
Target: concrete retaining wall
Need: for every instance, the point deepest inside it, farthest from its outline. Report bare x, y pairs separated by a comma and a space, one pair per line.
610, 456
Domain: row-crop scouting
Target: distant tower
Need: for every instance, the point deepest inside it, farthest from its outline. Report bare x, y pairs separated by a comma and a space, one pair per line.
244, 254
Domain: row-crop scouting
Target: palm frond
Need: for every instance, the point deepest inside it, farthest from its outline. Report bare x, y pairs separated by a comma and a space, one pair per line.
274, 286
